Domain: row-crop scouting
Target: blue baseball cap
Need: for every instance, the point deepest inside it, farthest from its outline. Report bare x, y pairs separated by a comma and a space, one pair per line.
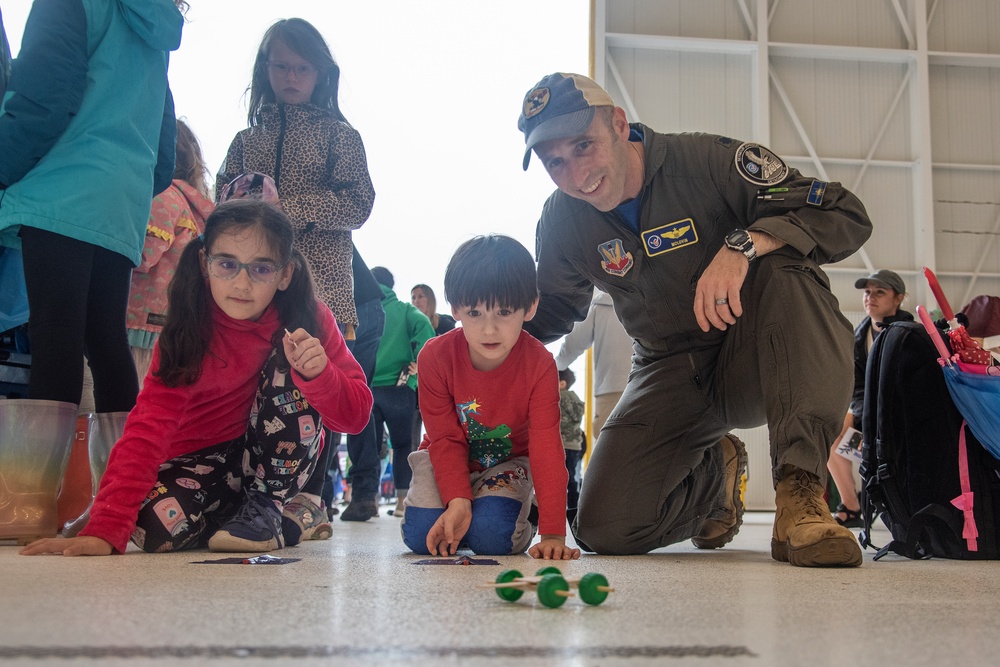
560, 105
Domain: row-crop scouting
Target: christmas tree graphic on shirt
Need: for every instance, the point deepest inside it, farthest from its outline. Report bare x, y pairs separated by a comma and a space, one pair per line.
487, 446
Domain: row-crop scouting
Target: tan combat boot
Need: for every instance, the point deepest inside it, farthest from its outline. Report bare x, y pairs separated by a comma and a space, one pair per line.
805, 533
721, 531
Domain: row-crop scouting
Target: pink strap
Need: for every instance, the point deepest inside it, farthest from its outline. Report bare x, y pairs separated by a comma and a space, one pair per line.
964, 502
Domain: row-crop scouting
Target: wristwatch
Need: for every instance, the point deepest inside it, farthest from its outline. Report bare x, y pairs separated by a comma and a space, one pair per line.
740, 241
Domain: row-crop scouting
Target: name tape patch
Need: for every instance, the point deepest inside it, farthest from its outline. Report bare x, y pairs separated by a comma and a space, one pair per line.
672, 236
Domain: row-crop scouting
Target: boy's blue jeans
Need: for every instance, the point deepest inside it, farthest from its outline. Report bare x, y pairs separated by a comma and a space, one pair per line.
501, 500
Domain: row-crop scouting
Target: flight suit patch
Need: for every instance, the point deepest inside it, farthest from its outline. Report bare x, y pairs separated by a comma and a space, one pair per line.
669, 237
759, 165
816, 192
615, 260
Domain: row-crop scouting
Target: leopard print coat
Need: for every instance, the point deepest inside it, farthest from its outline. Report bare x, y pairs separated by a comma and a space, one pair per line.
321, 171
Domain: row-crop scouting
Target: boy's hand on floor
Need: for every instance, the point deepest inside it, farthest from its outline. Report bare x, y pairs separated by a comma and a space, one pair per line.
87, 545
447, 532
553, 547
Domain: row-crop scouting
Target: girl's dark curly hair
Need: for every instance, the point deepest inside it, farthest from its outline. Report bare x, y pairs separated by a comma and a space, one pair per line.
188, 331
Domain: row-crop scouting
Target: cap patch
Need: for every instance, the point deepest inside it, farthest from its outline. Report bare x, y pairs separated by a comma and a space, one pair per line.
535, 102
614, 258
759, 165
669, 237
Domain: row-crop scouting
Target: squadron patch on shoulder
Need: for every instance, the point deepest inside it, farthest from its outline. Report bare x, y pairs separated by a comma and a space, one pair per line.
816, 192
669, 237
759, 166
615, 260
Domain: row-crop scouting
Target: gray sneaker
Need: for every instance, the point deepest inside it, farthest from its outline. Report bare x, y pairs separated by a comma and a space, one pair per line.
302, 520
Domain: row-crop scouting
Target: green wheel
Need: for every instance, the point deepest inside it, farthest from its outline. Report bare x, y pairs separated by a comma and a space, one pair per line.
589, 587
549, 588
509, 594
551, 569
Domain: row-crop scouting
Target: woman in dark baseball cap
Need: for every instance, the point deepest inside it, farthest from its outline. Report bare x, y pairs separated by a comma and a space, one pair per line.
884, 292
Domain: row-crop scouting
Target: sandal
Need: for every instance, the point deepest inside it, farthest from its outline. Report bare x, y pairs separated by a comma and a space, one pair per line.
853, 519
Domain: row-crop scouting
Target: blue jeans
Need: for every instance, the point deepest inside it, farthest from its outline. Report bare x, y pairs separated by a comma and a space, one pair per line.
363, 449
364, 460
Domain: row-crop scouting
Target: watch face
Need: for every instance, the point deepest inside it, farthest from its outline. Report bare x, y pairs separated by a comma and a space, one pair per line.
737, 238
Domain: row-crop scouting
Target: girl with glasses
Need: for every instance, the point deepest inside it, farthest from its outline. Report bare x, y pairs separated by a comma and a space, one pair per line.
249, 369
298, 136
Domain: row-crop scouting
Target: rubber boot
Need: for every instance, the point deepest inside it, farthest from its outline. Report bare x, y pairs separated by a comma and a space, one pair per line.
36, 437
75, 492
106, 429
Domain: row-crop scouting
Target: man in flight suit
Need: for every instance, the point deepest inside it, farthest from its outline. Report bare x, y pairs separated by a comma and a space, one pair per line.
711, 249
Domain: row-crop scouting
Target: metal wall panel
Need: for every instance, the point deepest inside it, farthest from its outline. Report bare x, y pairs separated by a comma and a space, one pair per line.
965, 26
719, 19
843, 23
689, 92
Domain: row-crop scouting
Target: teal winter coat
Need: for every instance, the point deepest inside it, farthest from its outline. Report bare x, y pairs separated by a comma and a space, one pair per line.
80, 126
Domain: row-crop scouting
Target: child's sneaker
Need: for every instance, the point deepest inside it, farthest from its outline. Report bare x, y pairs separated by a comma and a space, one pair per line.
255, 527
302, 520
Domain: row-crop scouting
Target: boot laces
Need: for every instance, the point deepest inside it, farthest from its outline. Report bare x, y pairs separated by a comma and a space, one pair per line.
257, 511
803, 488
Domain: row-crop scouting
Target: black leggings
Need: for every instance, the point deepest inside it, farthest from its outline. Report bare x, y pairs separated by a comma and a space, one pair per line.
78, 295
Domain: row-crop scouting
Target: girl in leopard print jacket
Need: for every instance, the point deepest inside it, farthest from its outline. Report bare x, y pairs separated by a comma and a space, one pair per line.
299, 137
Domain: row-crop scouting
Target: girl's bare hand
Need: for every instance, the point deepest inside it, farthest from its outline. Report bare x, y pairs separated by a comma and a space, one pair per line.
305, 353
86, 545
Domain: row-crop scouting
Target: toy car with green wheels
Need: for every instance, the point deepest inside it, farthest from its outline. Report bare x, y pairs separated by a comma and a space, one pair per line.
551, 586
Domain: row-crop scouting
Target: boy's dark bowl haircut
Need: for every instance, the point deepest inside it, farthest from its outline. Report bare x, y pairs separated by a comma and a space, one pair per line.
493, 270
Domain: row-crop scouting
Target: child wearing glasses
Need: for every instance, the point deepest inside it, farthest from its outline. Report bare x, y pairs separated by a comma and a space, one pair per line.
248, 370
298, 136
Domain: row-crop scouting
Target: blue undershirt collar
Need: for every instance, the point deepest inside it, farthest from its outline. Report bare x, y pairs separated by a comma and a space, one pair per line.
629, 210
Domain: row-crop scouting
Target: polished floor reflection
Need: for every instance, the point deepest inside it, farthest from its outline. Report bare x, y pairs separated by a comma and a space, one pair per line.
359, 599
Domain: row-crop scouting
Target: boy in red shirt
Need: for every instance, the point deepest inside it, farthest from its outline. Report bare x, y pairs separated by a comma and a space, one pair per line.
488, 390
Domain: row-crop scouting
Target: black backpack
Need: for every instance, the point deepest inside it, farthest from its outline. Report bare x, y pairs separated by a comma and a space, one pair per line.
910, 455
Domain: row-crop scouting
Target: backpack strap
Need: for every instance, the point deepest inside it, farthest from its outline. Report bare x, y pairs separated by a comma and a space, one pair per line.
964, 501
914, 551
920, 524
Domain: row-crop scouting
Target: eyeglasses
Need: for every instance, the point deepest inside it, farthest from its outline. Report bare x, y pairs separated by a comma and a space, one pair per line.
227, 268
283, 69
